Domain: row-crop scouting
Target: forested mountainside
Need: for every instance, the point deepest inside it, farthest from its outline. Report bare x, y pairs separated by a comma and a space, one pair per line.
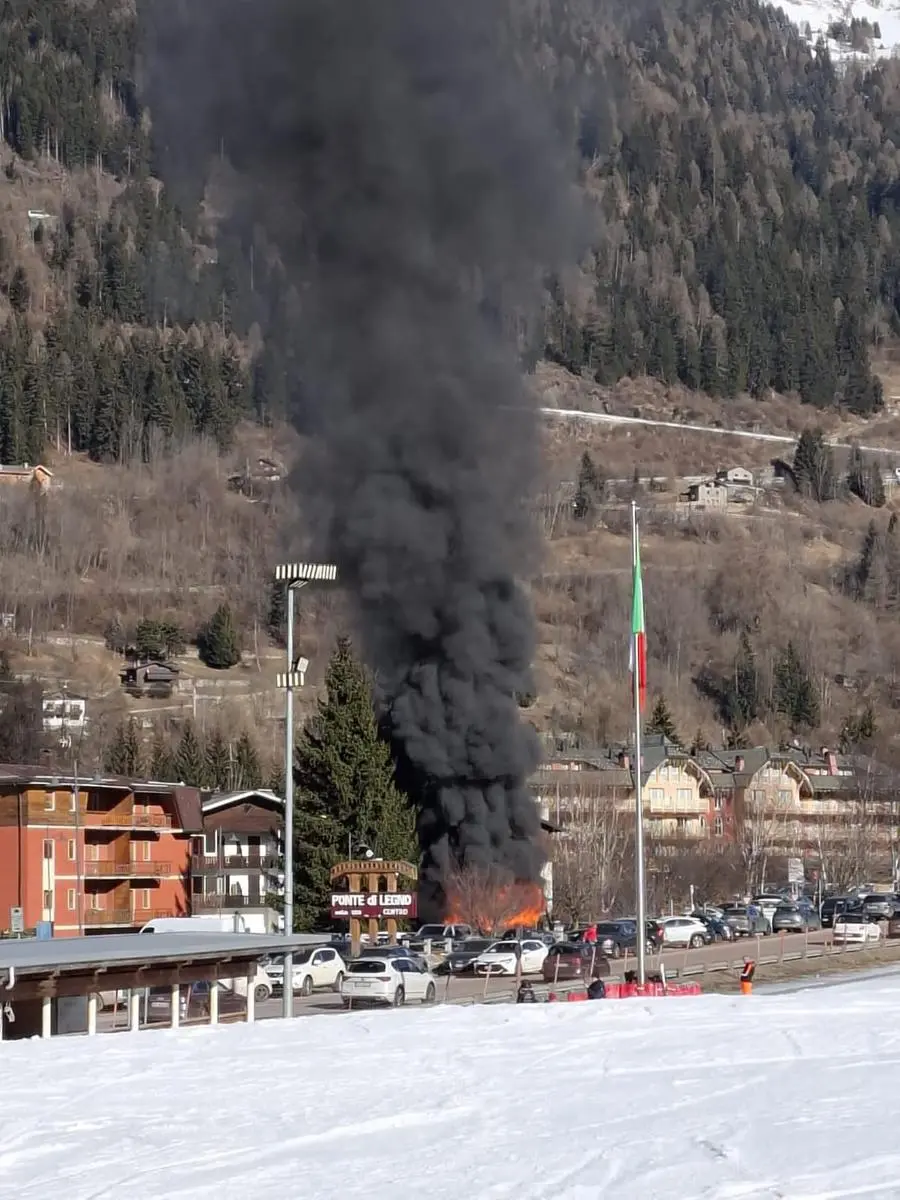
745, 195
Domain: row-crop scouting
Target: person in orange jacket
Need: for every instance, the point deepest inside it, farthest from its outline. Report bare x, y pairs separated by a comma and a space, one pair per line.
590, 935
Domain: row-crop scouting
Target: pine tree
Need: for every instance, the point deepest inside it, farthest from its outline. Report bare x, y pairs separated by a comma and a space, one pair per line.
345, 788
218, 641
794, 692
662, 722
857, 731
162, 766
217, 762
189, 764
743, 701
276, 617
588, 489
246, 768
19, 291
124, 754
813, 465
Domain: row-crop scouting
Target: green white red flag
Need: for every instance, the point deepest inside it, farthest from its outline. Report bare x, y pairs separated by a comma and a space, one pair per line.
638, 658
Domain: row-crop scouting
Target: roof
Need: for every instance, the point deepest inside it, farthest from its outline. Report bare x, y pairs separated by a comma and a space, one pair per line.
186, 799
32, 956
213, 801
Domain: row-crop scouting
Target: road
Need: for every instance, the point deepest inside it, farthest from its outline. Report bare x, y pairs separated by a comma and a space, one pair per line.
598, 418
462, 990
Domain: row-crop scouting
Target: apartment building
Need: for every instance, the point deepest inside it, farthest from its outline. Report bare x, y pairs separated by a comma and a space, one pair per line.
236, 866
95, 855
792, 801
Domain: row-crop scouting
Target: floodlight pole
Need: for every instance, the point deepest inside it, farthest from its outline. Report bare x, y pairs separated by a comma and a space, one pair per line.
294, 576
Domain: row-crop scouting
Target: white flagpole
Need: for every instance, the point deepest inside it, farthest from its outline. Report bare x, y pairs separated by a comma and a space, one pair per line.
638, 783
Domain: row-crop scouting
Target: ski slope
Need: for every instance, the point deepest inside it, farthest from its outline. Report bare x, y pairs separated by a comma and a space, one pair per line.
726, 1098
814, 19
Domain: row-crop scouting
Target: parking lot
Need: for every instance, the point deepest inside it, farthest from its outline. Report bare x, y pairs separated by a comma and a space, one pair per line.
462, 989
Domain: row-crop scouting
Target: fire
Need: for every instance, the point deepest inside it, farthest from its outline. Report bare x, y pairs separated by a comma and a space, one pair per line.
495, 910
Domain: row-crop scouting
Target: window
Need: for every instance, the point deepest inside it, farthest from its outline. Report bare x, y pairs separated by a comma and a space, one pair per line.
48, 899
719, 827
684, 795
72, 850
70, 899
98, 902
211, 842
784, 795
143, 898
656, 795
719, 802
48, 850
73, 802
49, 801
148, 851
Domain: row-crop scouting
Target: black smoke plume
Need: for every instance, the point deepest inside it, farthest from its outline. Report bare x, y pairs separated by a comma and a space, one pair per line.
416, 192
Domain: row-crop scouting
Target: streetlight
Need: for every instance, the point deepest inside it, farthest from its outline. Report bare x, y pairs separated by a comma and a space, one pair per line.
294, 576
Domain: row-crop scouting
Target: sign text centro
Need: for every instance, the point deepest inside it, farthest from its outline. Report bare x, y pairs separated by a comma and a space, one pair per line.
373, 904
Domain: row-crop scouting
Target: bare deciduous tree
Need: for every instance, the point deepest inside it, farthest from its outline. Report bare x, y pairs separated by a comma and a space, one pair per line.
591, 860
490, 900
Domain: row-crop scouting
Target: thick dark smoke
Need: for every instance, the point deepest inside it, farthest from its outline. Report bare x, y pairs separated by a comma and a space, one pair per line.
416, 192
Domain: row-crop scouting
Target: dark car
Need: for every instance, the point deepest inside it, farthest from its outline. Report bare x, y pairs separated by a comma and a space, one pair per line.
893, 925
460, 961
574, 960
794, 918
837, 905
746, 921
719, 930
193, 1003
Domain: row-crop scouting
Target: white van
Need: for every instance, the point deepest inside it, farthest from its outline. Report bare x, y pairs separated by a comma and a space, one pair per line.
233, 923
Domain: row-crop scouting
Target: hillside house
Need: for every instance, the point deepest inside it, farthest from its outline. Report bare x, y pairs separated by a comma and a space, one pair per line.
735, 476
708, 495
153, 678
38, 477
64, 712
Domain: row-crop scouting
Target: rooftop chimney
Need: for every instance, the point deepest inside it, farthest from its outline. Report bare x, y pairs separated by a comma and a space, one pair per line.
739, 763
624, 760
831, 759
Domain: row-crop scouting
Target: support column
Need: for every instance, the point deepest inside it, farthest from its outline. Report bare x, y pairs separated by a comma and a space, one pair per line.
175, 1006
134, 1010
46, 1017
214, 1003
251, 1000
92, 1014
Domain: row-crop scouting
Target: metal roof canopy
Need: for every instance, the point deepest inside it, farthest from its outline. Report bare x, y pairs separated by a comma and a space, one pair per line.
106, 952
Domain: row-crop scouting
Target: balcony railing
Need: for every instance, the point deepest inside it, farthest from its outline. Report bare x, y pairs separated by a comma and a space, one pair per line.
128, 870
211, 863
127, 820
216, 903
109, 916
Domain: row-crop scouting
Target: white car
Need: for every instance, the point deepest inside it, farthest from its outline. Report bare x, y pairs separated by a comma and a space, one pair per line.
501, 958
315, 967
683, 931
372, 980
854, 927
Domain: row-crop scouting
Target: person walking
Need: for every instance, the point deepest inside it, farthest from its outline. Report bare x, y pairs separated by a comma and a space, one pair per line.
590, 935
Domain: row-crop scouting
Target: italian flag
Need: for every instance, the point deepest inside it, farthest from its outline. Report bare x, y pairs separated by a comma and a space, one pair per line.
638, 659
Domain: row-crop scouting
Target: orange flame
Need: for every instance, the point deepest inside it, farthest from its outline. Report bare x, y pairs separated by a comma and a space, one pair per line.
499, 909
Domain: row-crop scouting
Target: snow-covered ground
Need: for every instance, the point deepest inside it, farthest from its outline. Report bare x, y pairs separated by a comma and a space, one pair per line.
814, 18
726, 1098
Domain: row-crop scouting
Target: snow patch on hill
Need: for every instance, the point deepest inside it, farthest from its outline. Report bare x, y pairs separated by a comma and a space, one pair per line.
820, 18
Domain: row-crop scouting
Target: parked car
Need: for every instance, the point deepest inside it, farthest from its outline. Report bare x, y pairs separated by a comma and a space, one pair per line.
879, 906
615, 937
387, 980
768, 902
314, 968
719, 930
856, 927
442, 933
893, 925
193, 1003
833, 906
501, 958
461, 959
574, 960
792, 918
745, 922
684, 931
